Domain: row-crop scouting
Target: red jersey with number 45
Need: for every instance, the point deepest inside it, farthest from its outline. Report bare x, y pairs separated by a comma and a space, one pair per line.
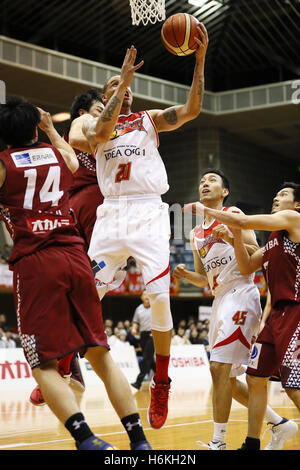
34, 199
281, 266
218, 259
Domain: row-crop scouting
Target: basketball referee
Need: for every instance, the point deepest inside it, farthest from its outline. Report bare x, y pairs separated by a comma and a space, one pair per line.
142, 321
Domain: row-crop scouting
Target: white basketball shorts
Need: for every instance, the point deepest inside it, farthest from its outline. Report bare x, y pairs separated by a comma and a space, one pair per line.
137, 226
234, 324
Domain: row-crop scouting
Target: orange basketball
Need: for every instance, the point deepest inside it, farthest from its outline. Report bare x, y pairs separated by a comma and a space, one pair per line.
178, 32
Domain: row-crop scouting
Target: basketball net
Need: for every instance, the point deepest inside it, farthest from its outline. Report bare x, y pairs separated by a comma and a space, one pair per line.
146, 11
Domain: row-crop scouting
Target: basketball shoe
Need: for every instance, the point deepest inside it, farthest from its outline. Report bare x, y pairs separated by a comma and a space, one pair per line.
216, 445
36, 397
76, 379
141, 445
136, 386
158, 409
280, 433
94, 443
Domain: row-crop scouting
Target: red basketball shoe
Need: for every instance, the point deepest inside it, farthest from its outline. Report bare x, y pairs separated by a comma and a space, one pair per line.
36, 397
76, 379
158, 409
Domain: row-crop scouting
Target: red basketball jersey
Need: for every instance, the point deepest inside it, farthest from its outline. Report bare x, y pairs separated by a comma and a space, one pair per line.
281, 265
86, 173
34, 199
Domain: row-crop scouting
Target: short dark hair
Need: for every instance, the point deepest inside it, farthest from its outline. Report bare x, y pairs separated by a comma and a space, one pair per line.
18, 121
84, 101
225, 180
295, 187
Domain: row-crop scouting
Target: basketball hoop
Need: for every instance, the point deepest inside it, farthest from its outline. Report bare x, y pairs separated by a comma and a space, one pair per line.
146, 11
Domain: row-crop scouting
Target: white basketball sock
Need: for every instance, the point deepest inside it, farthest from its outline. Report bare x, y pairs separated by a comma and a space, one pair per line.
219, 432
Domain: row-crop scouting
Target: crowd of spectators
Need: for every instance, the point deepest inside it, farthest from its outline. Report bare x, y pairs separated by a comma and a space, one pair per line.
119, 334
8, 337
190, 331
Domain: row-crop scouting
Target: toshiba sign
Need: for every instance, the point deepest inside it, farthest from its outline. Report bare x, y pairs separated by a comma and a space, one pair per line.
189, 362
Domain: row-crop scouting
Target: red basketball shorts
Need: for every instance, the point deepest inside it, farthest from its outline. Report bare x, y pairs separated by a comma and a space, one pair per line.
277, 347
57, 304
85, 203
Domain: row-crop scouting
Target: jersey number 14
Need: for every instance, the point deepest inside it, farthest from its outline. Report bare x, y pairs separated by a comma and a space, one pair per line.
49, 192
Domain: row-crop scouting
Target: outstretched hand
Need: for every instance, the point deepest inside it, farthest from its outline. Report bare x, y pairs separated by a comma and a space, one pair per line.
195, 208
202, 42
46, 122
128, 68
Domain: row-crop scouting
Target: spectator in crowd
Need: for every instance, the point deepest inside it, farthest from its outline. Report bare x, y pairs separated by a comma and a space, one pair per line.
203, 337
116, 331
108, 322
123, 335
11, 343
194, 336
121, 342
3, 320
120, 325
3, 341
190, 327
111, 338
127, 325
199, 325
180, 338
182, 324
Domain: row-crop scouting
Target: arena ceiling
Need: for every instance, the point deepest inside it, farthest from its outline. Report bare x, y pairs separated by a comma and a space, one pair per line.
252, 42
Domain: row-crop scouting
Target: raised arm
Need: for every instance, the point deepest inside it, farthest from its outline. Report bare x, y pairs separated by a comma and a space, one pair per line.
109, 116
171, 118
78, 139
57, 141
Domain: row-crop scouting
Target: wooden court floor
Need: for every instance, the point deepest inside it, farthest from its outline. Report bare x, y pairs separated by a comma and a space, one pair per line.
189, 424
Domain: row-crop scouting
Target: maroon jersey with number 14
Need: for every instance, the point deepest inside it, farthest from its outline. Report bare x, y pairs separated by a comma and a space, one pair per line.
34, 199
57, 304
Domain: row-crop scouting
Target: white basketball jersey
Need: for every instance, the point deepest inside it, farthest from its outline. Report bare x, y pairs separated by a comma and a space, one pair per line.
218, 259
129, 163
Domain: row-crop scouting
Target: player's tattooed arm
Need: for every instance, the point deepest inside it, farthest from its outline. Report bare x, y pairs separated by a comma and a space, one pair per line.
201, 88
170, 116
110, 108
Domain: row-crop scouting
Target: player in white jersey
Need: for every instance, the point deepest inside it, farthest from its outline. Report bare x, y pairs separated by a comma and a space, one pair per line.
236, 309
134, 220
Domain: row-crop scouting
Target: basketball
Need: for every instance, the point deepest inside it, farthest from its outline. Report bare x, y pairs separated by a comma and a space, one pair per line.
178, 32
